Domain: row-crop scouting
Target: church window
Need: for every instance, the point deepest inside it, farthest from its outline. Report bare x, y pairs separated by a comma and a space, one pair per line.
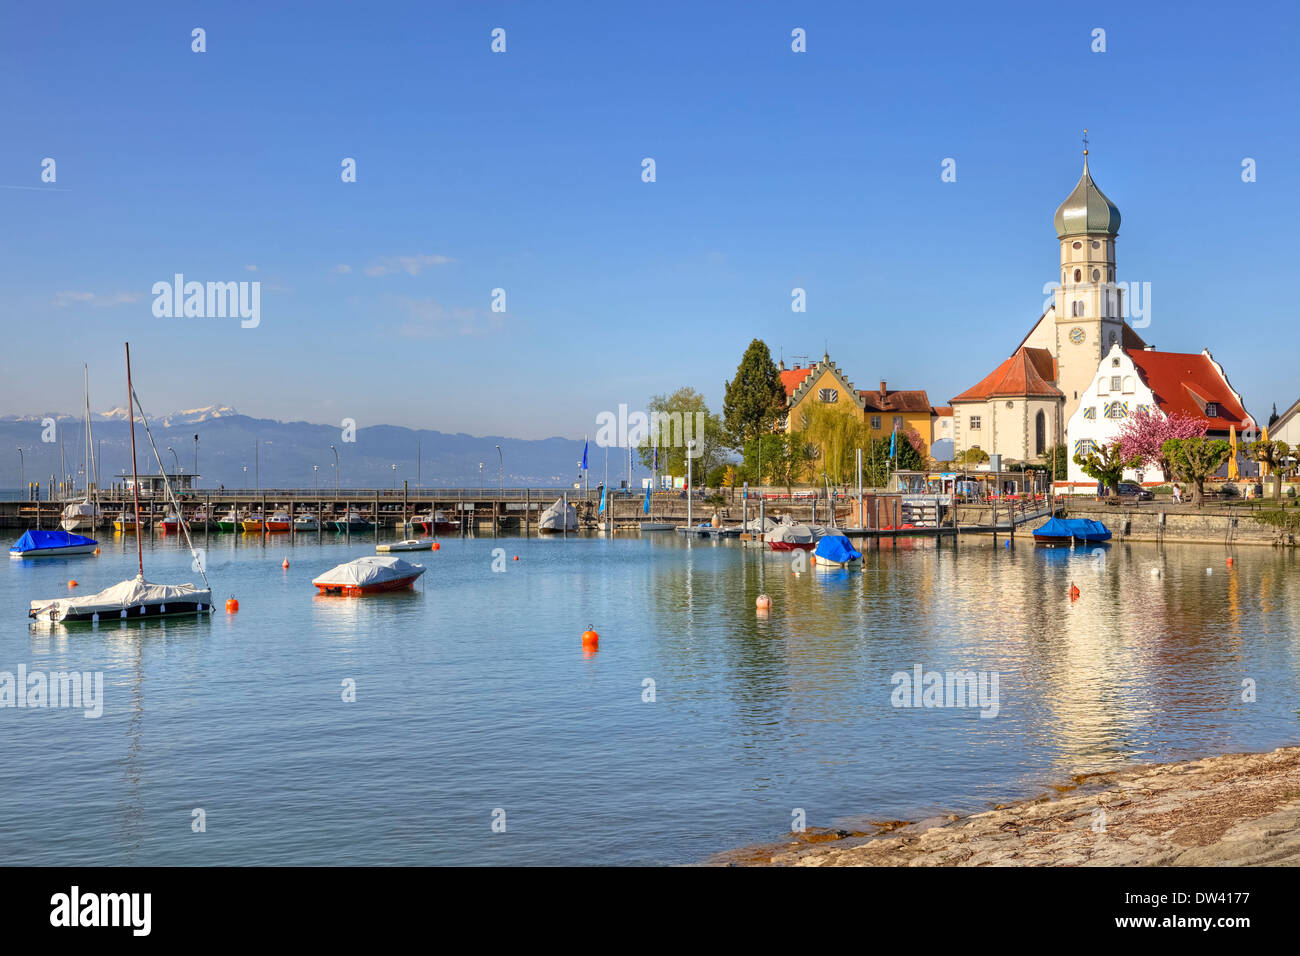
875, 423
974, 421
1110, 275
1078, 275
1078, 245
1040, 433
1096, 244
828, 395
1096, 274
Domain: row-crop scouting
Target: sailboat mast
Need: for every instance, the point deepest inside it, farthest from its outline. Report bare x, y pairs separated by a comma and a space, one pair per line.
92, 462
135, 480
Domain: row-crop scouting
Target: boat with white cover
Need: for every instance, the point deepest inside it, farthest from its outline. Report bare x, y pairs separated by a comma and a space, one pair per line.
133, 599
372, 575
788, 536
558, 518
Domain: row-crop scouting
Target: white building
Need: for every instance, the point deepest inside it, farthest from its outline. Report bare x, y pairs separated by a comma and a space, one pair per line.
1188, 383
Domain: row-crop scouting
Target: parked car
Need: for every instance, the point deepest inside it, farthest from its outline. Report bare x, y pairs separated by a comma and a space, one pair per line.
1129, 489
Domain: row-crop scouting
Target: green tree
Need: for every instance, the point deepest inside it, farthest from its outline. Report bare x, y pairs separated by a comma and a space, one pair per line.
971, 456
786, 459
1270, 453
1106, 465
1058, 461
755, 397
684, 416
834, 437
1195, 459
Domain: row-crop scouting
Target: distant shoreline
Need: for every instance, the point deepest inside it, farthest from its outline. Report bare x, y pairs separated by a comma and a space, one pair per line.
1229, 810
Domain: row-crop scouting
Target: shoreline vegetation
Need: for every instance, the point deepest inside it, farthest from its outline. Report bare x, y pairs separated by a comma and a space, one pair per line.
1229, 810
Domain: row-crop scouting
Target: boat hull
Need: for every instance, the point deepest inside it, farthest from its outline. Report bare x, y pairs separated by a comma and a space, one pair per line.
54, 552
135, 613
423, 544
277, 527
251, 527
355, 590
792, 545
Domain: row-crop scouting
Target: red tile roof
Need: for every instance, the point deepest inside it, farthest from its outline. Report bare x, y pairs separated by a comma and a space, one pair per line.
897, 400
793, 378
1185, 381
941, 410
1029, 372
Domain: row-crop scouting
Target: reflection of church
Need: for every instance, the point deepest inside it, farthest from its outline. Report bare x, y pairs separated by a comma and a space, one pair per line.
1029, 402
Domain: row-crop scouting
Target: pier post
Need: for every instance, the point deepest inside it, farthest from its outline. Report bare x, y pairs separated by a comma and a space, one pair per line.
376, 514
347, 521
527, 509
564, 518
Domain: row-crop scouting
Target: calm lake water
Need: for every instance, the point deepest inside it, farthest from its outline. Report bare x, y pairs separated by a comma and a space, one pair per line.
473, 693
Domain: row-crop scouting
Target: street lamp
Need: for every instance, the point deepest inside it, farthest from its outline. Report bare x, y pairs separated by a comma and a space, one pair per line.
336, 469
245, 476
176, 462
315, 477
196, 455
21, 466
480, 477
394, 477
501, 472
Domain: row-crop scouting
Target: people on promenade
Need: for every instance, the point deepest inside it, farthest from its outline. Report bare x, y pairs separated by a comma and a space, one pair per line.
1178, 494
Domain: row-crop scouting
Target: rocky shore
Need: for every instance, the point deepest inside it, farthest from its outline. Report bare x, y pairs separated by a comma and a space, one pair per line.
1233, 810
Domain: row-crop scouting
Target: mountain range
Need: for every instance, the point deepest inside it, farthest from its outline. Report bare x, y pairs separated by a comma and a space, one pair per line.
287, 451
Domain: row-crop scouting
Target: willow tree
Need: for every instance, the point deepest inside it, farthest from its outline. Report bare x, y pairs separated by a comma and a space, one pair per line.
1195, 459
835, 437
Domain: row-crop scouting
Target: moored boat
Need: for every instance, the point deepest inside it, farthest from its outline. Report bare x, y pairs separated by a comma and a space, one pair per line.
791, 537
279, 523
125, 523
48, 544
229, 522
370, 575
252, 524
835, 551
408, 544
428, 523
1064, 532
556, 519
352, 521
80, 516
306, 522
169, 524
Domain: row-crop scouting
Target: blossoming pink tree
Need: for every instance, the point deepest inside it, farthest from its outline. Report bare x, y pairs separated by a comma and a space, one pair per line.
1143, 435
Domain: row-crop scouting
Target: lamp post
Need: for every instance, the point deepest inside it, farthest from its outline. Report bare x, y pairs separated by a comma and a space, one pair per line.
501, 472
690, 488
394, 477
196, 456
480, 477
336, 469
21, 467
315, 477
245, 476
176, 462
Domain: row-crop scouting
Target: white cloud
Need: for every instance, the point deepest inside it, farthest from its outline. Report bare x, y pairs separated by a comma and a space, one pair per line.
342, 269
95, 299
411, 265
250, 268
428, 319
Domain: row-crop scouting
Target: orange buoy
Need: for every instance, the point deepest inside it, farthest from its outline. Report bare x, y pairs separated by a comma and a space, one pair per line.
97, 550
1074, 592
590, 640
231, 605
436, 546
286, 564
72, 584
763, 602
1230, 562
516, 557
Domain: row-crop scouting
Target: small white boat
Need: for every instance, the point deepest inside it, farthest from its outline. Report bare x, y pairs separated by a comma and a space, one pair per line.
556, 519
130, 599
368, 576
306, 523
125, 523
835, 551
791, 537
409, 544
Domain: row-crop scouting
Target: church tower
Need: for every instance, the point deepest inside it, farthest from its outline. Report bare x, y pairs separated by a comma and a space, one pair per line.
1088, 307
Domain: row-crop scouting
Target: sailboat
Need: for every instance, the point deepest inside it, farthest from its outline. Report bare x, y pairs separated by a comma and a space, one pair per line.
136, 598
558, 518
84, 515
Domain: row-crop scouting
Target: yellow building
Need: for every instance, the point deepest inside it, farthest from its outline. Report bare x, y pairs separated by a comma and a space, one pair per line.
882, 410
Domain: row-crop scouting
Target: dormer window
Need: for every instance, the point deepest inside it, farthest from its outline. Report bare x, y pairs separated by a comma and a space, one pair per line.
1211, 409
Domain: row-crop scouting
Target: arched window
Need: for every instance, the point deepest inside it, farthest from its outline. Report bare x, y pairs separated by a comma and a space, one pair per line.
1078, 275
1040, 434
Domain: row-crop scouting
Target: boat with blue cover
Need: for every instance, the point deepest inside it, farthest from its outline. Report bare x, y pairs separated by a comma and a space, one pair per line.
835, 551
48, 544
1063, 532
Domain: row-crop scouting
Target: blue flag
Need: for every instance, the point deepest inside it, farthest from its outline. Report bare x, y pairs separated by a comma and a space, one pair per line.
646, 507
602, 499
892, 436
656, 457
584, 456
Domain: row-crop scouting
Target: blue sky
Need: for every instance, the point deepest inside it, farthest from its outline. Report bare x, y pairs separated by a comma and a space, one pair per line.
522, 171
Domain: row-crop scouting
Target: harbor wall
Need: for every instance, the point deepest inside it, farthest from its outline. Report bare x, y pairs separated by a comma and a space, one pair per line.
1161, 522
